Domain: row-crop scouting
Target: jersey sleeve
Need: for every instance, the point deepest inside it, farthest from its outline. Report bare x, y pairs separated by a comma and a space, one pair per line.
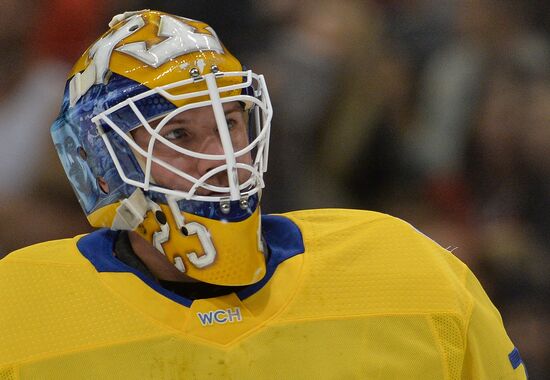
490, 354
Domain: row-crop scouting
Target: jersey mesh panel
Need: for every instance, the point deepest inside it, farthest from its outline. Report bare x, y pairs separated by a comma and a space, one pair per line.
450, 335
7, 374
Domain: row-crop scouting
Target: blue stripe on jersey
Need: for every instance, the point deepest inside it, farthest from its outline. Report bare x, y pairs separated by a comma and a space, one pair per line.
515, 358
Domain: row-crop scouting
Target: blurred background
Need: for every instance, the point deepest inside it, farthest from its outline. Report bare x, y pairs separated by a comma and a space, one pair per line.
437, 112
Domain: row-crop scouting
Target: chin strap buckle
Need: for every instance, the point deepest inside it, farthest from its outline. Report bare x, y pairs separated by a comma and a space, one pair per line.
131, 212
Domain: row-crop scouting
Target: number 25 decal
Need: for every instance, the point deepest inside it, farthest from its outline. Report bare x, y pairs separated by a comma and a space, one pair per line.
209, 254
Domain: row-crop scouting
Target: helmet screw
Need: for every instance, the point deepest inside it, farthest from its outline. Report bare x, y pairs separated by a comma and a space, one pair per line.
184, 231
161, 218
225, 207
214, 69
82, 153
243, 203
194, 72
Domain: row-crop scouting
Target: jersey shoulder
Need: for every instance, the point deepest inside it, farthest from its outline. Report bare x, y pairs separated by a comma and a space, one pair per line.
53, 252
383, 280
380, 262
55, 301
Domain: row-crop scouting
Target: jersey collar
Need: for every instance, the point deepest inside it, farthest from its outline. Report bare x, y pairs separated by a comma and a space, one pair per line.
283, 239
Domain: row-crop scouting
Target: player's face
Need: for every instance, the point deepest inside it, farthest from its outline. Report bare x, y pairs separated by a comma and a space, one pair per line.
196, 130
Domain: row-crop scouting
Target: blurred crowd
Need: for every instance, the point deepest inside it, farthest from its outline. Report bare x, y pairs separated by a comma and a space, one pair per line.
435, 111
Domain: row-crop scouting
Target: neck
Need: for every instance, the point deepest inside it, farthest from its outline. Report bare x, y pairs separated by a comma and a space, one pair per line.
155, 261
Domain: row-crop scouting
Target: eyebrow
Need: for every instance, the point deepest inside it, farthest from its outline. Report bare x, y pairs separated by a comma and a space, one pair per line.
177, 122
184, 120
236, 107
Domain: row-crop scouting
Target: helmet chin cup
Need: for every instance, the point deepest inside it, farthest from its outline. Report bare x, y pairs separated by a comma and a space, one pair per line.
221, 252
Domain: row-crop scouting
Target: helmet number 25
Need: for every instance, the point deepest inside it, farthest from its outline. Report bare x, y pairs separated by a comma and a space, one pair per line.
209, 254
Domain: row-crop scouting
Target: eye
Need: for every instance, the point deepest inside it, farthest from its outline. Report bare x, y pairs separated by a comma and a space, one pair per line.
176, 134
230, 123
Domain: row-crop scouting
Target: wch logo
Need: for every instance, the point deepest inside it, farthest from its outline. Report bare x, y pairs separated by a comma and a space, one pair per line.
220, 316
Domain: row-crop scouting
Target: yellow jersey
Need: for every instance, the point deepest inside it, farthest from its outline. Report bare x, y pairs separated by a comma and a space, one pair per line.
347, 295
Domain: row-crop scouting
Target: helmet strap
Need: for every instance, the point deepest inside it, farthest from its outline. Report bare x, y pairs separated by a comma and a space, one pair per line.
131, 211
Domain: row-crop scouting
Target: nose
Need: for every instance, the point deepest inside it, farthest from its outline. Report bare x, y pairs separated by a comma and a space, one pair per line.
212, 145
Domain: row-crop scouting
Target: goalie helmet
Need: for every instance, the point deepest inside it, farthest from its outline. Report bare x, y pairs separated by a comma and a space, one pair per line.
146, 71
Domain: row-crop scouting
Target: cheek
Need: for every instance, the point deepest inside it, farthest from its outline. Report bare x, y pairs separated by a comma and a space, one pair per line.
244, 175
245, 159
167, 178
240, 142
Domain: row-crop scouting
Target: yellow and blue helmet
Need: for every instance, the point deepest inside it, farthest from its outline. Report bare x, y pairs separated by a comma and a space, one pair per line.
151, 66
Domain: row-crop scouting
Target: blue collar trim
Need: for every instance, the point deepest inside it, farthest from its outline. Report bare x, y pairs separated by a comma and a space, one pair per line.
98, 248
282, 236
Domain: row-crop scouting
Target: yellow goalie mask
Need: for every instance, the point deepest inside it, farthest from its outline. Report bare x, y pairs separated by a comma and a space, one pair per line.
163, 132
